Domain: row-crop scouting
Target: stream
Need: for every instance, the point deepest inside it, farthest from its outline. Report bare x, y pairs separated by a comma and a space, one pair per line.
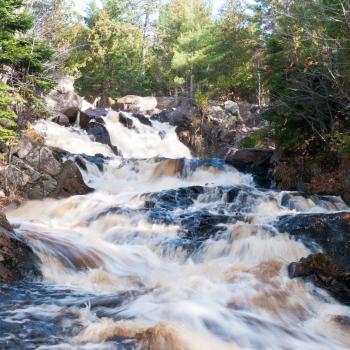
169, 252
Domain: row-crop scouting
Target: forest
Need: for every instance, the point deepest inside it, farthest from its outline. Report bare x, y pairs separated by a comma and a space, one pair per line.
291, 57
175, 174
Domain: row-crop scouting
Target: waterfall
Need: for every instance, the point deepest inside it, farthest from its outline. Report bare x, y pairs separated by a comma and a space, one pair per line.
169, 252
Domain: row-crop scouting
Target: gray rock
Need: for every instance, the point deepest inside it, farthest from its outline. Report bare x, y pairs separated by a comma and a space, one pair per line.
40, 173
61, 119
137, 104
232, 108
42, 159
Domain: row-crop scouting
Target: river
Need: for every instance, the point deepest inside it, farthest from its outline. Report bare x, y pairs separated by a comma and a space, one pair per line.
169, 252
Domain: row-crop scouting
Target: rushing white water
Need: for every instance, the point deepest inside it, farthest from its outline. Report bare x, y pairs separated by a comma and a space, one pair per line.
142, 141
230, 292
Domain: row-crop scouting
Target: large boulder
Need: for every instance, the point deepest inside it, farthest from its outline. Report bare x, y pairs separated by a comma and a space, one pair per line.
254, 161
35, 172
63, 102
70, 181
329, 231
137, 104
92, 115
325, 273
100, 134
232, 108
63, 99
17, 259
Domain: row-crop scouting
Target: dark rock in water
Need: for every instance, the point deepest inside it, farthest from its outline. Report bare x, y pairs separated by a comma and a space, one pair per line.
142, 119
70, 181
81, 160
92, 115
232, 194
253, 161
201, 225
126, 121
162, 117
99, 132
325, 273
331, 232
300, 201
17, 259
61, 119
172, 199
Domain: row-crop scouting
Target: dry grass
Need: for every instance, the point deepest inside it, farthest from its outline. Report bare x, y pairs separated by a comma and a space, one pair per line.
34, 136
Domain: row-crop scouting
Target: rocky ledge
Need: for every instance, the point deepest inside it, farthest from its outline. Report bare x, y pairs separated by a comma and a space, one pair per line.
36, 171
325, 273
17, 259
329, 233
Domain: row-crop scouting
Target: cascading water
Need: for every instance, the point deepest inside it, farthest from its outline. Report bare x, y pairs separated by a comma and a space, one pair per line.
168, 253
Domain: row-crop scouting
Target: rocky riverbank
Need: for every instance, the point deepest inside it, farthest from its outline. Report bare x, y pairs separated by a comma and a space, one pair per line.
17, 259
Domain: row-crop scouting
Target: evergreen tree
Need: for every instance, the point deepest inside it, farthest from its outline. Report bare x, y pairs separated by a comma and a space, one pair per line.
112, 56
23, 61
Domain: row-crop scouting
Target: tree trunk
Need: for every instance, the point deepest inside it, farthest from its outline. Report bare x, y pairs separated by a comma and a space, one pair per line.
192, 87
176, 95
144, 47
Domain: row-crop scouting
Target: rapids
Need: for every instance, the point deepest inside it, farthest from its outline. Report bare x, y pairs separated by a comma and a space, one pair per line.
168, 253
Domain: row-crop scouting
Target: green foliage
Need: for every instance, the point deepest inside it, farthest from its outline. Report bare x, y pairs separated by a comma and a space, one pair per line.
25, 59
186, 49
307, 70
112, 58
8, 118
257, 139
16, 50
202, 101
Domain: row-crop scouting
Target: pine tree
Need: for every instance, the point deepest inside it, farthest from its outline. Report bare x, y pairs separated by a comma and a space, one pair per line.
23, 60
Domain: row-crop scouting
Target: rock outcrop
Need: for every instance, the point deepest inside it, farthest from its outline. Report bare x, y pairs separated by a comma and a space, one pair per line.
320, 173
17, 259
331, 232
213, 131
35, 172
63, 101
254, 161
325, 273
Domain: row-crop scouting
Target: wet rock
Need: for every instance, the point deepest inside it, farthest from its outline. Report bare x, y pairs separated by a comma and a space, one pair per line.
253, 161
17, 259
325, 273
201, 225
126, 121
70, 181
172, 199
331, 232
302, 201
98, 132
142, 119
96, 160
92, 115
